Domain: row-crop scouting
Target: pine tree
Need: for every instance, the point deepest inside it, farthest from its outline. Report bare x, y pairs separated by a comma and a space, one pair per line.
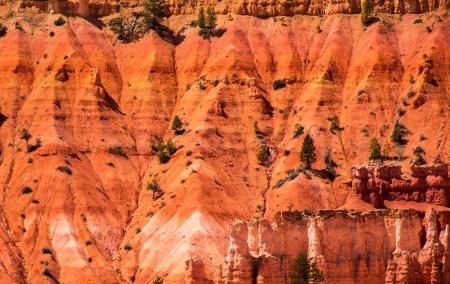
375, 150
211, 18
177, 124
307, 154
366, 13
398, 134
154, 10
201, 18
304, 270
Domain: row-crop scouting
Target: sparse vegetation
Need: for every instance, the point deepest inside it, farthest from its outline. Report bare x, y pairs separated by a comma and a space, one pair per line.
154, 10
171, 148
375, 150
46, 250
201, 21
398, 134
163, 151
334, 124
304, 270
366, 13
418, 158
117, 150
128, 247
307, 154
279, 84
60, 21
263, 154
26, 190
18, 27
117, 25
25, 135
319, 30
386, 151
158, 280
155, 188
64, 169
298, 131
177, 125
211, 18
37, 144
418, 21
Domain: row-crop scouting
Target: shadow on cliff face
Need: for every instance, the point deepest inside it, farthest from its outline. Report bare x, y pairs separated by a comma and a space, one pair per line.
3, 118
168, 35
112, 104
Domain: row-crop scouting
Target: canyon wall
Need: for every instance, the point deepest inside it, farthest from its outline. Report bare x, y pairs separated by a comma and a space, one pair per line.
349, 247
76, 197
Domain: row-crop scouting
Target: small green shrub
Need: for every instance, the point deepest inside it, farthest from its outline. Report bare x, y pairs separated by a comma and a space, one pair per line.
375, 150
60, 21
177, 125
26, 190
319, 30
19, 27
398, 134
128, 247
418, 21
64, 169
263, 154
171, 148
158, 280
298, 131
334, 121
46, 250
117, 150
155, 188
279, 84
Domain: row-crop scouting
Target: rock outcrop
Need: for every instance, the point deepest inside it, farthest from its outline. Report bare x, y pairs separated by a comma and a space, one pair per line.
349, 247
376, 183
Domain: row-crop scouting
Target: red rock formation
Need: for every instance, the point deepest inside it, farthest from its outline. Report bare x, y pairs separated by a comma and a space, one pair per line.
340, 243
377, 183
91, 217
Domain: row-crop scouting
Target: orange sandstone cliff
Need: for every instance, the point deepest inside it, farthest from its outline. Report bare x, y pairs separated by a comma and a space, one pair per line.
75, 202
